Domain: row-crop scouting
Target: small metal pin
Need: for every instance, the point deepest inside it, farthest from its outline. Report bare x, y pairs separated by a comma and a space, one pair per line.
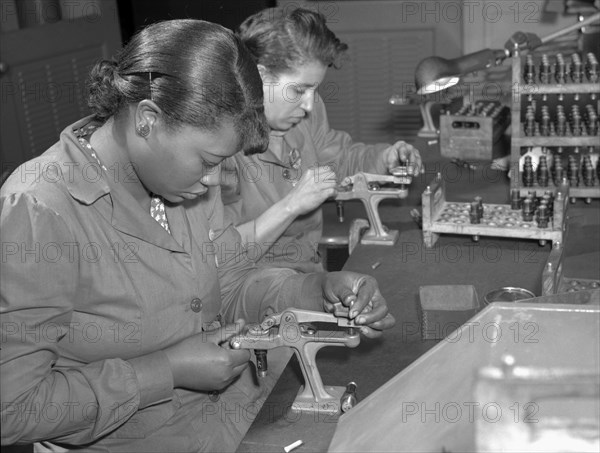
348, 400
292, 446
340, 210
262, 366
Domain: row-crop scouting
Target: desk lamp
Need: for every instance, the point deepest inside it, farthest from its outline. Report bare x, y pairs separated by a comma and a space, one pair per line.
436, 74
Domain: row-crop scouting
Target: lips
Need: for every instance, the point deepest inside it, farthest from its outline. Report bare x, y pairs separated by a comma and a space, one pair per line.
193, 195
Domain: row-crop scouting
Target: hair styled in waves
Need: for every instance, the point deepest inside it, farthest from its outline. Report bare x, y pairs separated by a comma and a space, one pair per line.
282, 39
197, 72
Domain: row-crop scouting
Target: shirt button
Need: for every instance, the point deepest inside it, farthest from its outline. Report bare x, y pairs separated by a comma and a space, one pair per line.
214, 396
286, 174
196, 305
211, 234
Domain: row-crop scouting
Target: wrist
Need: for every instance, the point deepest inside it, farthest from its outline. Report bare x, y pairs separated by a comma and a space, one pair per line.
174, 365
314, 289
290, 208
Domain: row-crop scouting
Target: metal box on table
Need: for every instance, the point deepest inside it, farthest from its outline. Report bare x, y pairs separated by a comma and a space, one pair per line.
444, 308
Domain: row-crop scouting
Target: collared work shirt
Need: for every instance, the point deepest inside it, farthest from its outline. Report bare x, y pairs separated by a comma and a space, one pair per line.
252, 184
91, 283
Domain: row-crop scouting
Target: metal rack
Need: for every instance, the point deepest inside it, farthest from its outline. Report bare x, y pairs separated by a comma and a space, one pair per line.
443, 217
543, 90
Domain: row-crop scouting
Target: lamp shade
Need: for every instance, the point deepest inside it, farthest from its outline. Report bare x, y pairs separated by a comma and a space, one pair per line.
436, 73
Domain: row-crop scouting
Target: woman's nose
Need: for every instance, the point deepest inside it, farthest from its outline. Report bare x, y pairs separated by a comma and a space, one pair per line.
308, 102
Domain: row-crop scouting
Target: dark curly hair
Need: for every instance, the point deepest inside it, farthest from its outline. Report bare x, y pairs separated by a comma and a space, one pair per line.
281, 39
197, 72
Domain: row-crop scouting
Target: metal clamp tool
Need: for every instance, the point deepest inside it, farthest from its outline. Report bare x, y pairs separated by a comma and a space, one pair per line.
371, 189
291, 328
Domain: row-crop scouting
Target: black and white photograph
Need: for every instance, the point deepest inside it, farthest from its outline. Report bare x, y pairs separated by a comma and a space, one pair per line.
299, 226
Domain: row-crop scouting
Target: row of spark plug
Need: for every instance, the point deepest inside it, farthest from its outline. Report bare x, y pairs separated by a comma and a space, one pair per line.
562, 71
575, 125
540, 208
578, 172
489, 109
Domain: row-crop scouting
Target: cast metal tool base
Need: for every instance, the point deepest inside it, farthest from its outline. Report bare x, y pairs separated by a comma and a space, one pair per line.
428, 133
428, 130
371, 189
306, 402
372, 239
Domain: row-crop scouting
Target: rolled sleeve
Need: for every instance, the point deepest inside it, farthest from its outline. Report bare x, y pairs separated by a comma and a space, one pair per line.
302, 291
251, 292
271, 290
338, 149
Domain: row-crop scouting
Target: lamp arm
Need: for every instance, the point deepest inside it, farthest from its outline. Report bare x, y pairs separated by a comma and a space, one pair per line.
529, 41
436, 73
482, 59
590, 20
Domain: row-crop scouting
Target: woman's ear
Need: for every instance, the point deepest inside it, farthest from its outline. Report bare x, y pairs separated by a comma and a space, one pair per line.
265, 74
147, 116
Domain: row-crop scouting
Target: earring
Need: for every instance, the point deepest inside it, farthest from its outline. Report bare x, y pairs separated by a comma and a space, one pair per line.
143, 130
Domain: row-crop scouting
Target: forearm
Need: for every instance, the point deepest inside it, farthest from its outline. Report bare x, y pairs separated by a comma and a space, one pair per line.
270, 290
254, 293
75, 405
249, 292
337, 148
267, 228
362, 157
371, 159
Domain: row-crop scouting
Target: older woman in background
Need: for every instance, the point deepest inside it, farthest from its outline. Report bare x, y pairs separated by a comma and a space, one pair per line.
275, 198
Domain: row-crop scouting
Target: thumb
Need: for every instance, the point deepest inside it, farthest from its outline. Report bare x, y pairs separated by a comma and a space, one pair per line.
228, 331
344, 288
340, 309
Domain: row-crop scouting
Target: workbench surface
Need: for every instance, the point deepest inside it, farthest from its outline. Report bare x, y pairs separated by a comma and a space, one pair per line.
454, 260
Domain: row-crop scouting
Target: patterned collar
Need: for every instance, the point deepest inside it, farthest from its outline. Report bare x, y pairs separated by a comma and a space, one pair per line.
157, 204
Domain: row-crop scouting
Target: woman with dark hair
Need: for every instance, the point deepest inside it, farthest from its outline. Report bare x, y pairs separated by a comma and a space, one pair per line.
122, 283
274, 198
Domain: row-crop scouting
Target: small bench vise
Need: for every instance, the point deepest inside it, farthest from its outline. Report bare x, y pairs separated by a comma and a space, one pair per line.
293, 328
371, 189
